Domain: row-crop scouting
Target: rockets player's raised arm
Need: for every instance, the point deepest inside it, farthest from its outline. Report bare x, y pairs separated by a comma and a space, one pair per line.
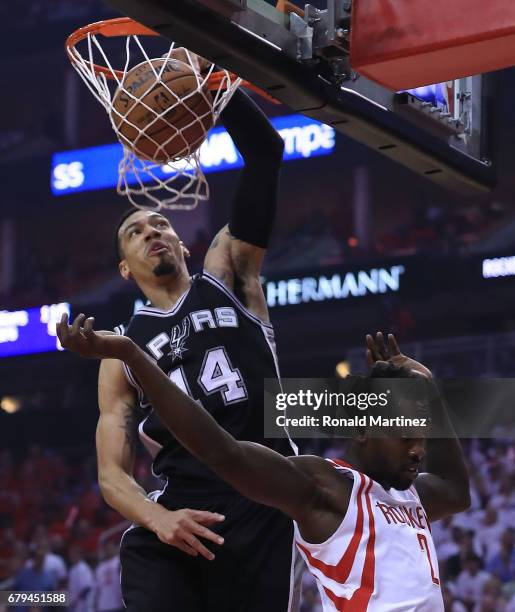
254, 470
304, 488
444, 489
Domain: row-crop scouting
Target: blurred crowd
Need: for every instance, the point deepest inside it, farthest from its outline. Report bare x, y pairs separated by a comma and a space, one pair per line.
56, 533
433, 228
324, 238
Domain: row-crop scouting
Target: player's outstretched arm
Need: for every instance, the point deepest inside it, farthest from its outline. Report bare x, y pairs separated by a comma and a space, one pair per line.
444, 489
256, 471
237, 252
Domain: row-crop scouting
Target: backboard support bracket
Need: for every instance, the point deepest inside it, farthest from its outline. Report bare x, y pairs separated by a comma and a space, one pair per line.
272, 50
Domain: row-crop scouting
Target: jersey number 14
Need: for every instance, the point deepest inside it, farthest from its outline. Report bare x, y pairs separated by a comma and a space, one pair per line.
216, 376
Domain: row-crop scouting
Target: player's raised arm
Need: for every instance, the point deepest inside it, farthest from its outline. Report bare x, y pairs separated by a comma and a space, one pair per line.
444, 489
237, 252
254, 470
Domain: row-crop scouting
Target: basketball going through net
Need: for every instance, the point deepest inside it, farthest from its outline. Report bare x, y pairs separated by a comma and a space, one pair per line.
161, 108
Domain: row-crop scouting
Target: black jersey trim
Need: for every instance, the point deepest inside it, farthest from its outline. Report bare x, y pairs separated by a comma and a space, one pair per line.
214, 281
157, 312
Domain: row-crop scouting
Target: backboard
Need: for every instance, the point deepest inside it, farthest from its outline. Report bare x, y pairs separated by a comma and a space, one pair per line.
301, 57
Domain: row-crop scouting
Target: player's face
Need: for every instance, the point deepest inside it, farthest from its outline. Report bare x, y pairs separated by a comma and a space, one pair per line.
395, 462
150, 247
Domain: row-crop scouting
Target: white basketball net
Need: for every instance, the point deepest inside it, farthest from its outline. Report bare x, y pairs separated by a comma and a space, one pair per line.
179, 182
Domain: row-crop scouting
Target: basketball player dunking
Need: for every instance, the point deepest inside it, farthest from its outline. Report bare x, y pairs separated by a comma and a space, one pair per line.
211, 336
363, 524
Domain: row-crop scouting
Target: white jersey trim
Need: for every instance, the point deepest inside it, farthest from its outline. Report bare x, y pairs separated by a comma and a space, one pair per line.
157, 312
120, 329
134, 383
147, 440
268, 332
154, 496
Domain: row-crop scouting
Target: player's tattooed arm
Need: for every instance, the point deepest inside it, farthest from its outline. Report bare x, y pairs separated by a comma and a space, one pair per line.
254, 470
237, 265
116, 445
218, 260
130, 426
116, 441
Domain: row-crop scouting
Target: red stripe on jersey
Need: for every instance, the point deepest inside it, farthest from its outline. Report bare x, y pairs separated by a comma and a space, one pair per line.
342, 463
361, 597
341, 571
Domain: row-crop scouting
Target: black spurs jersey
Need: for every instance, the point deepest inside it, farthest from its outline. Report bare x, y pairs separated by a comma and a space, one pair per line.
218, 353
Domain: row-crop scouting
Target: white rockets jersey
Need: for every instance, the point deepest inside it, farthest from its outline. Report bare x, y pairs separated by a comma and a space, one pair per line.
381, 558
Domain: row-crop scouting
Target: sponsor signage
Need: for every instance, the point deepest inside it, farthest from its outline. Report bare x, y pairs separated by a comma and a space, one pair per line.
335, 286
97, 167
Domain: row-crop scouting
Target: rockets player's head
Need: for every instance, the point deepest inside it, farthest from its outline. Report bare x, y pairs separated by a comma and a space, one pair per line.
393, 462
392, 455
148, 249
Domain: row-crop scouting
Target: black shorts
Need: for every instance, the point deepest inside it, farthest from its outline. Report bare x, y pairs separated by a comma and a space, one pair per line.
255, 570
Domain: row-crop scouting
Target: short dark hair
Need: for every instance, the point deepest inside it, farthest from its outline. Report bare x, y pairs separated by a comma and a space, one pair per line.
376, 381
118, 253
382, 369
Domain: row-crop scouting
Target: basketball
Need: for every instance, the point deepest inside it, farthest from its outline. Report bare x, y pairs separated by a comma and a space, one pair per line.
162, 118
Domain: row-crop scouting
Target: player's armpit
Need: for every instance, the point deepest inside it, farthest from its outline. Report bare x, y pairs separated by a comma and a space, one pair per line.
237, 265
116, 442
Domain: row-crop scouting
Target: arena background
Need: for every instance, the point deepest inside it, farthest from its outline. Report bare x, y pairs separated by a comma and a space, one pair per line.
344, 212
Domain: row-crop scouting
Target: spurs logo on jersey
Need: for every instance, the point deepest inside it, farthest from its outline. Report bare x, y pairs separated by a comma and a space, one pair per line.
200, 319
178, 339
217, 352
381, 558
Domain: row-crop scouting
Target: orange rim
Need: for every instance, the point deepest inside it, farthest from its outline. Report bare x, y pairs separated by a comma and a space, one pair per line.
125, 26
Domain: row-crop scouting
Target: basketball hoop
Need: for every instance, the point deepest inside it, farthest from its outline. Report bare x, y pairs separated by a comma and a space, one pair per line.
162, 173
